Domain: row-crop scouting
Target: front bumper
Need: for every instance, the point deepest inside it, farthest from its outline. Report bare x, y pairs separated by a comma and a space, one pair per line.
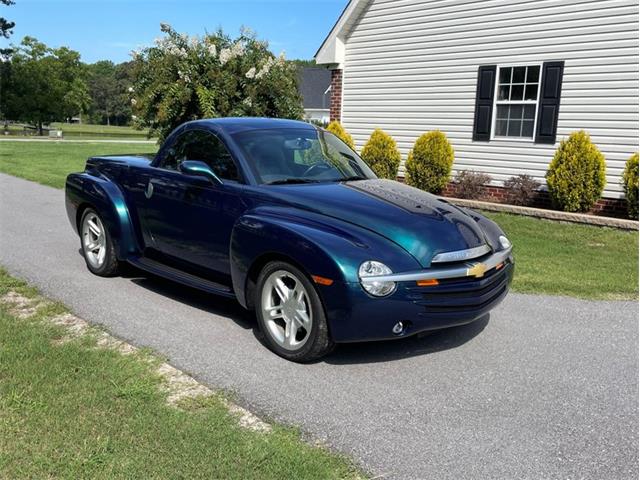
465, 293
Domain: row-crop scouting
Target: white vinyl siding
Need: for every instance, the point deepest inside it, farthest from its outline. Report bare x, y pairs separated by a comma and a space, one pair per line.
411, 66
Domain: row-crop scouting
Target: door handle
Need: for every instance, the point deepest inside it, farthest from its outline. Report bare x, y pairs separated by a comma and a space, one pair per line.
148, 192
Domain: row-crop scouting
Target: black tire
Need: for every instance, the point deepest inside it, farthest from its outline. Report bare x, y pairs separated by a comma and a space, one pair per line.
319, 342
110, 265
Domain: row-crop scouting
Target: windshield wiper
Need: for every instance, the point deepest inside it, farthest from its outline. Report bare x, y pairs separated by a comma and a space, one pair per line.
284, 181
352, 178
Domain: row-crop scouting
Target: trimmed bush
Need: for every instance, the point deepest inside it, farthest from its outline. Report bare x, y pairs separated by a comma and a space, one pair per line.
521, 189
429, 162
382, 155
469, 184
576, 175
338, 130
630, 184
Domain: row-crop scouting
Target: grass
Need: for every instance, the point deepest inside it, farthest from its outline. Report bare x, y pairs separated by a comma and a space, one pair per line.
72, 130
553, 258
84, 130
70, 410
49, 163
570, 259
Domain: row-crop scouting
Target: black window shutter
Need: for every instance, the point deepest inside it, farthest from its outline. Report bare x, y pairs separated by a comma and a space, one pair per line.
484, 103
550, 89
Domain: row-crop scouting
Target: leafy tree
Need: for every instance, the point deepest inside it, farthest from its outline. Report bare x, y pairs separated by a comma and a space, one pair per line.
108, 87
44, 84
6, 28
181, 78
303, 63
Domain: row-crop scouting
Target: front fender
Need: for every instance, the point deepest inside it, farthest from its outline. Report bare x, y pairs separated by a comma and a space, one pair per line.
107, 198
320, 245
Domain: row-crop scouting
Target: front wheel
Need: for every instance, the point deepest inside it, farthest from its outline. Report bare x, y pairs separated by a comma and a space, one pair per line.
97, 247
290, 313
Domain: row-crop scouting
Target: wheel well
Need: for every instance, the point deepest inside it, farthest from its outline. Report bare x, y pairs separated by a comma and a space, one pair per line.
80, 211
256, 268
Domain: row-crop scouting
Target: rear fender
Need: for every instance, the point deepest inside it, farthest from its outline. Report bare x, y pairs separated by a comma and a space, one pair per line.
101, 193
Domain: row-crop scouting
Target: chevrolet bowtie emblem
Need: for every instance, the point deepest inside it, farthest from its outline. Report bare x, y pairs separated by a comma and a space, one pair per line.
478, 270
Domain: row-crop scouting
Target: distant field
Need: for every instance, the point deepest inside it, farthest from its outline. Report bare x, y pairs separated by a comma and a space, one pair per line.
76, 130
49, 163
86, 130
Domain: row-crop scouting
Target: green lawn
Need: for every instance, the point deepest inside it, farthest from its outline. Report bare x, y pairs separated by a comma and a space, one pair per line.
571, 259
76, 130
552, 257
70, 410
49, 163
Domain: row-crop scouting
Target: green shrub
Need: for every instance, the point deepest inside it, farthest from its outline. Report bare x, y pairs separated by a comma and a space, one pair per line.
576, 175
338, 130
630, 184
381, 154
429, 163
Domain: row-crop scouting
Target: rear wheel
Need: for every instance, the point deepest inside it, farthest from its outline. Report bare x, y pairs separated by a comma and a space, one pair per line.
97, 247
290, 313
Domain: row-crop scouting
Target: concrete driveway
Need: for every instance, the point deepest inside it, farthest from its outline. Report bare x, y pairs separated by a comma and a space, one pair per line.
547, 387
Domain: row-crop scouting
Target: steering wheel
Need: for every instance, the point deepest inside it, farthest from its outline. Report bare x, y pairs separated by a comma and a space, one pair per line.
317, 166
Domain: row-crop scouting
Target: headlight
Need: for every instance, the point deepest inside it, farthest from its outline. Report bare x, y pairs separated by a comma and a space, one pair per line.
504, 241
372, 268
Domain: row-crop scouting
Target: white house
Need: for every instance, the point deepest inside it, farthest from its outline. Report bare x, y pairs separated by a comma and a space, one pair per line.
505, 80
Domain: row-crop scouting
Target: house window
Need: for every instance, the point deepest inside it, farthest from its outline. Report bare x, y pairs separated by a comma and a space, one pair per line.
516, 101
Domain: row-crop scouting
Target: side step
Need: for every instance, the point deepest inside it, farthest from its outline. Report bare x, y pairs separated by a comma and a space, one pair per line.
179, 276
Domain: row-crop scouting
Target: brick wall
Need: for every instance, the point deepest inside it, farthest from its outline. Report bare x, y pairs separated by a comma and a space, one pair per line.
335, 110
608, 207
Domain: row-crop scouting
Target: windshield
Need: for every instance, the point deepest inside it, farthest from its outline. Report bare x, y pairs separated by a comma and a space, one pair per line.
279, 156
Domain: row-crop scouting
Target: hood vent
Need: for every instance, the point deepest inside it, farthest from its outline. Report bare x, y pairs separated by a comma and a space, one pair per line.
461, 255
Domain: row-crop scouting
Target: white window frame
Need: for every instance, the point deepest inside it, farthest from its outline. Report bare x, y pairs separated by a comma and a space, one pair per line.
496, 102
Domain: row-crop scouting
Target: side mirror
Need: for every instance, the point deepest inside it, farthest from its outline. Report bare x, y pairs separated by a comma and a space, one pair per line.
196, 168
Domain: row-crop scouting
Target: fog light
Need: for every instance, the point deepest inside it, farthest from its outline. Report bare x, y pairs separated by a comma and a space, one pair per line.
398, 328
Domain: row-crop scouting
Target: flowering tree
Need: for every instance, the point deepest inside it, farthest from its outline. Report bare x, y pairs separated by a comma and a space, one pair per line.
184, 78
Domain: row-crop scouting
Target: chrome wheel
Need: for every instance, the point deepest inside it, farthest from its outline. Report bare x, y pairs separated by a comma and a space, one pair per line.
286, 310
94, 241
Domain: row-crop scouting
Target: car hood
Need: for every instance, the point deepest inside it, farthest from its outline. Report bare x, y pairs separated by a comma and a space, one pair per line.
419, 222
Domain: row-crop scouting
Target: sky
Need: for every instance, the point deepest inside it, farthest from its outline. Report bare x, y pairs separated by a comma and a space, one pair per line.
110, 29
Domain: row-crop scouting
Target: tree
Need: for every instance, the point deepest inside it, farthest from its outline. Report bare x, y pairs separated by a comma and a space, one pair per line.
181, 78
6, 28
44, 84
109, 86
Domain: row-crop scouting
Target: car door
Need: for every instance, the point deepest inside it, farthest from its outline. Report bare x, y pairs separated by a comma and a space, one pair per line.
189, 219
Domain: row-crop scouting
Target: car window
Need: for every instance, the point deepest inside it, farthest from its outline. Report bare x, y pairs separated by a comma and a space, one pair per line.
300, 155
205, 147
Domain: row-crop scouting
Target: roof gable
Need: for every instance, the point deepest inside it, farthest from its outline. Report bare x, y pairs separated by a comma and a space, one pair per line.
331, 52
